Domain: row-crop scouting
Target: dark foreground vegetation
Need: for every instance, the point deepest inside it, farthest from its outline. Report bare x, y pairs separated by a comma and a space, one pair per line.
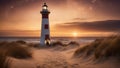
101, 48
22, 50
4, 60
59, 43
15, 50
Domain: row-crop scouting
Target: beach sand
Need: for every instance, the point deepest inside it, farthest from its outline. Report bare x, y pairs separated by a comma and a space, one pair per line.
60, 58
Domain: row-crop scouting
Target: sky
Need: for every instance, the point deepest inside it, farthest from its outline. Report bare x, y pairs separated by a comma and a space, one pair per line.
68, 18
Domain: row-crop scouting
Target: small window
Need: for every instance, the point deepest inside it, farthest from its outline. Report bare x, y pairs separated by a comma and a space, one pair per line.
46, 26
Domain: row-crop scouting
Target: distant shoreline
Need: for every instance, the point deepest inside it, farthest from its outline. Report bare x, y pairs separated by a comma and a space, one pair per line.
52, 37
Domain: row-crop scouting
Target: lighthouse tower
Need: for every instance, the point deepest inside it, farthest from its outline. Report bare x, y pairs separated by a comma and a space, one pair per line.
45, 29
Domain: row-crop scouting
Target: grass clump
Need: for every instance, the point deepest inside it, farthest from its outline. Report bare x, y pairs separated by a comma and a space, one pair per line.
4, 61
81, 50
73, 43
34, 45
59, 43
101, 48
21, 42
16, 50
19, 52
88, 49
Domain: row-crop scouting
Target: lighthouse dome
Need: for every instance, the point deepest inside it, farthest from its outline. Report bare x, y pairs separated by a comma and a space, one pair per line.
45, 6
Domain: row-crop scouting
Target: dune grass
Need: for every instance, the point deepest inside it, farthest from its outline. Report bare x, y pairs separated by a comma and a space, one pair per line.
59, 43
73, 43
4, 61
16, 50
21, 42
101, 48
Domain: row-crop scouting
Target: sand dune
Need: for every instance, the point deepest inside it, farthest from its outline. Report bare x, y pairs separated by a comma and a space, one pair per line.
49, 58
44, 58
59, 57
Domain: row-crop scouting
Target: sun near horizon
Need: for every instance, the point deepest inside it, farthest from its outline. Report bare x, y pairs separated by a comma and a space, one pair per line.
75, 34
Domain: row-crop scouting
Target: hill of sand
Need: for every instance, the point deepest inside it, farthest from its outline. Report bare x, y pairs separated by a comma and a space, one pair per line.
57, 58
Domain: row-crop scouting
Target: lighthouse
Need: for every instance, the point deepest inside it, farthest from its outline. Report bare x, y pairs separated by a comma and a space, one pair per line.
45, 28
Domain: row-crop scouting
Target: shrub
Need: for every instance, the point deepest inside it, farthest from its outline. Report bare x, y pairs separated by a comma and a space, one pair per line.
81, 50
88, 49
15, 50
109, 47
19, 52
4, 43
36, 45
73, 43
114, 48
4, 61
21, 42
102, 48
57, 43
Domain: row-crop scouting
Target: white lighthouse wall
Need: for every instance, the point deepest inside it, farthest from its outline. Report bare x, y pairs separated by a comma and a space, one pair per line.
44, 31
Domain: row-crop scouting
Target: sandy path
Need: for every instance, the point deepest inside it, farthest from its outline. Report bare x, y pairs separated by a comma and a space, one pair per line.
63, 59
45, 58
50, 58
53, 59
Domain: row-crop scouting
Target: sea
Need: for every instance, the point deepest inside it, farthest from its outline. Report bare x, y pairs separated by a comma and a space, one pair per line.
80, 40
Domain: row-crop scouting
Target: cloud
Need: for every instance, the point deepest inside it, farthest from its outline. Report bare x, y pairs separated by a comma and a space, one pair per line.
17, 33
82, 19
96, 26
